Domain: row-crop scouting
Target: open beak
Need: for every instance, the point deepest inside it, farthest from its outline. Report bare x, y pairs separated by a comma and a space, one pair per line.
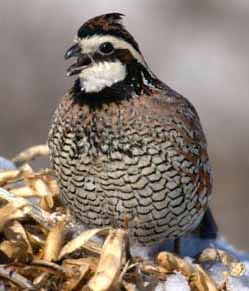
83, 60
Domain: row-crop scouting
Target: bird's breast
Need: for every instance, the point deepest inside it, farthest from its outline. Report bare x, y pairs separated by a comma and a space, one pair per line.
129, 162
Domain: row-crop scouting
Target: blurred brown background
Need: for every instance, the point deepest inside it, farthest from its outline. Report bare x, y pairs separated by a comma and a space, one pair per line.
200, 48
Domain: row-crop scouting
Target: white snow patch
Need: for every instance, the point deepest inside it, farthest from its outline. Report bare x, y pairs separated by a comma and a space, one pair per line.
6, 165
176, 282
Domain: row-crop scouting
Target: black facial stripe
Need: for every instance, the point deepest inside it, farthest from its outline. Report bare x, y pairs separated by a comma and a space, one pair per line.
123, 55
98, 57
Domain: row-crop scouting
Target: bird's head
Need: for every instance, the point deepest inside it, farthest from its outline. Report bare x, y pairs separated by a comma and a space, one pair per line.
106, 54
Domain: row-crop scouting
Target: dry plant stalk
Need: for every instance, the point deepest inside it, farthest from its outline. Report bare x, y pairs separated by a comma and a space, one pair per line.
211, 254
198, 278
30, 154
201, 281
9, 176
85, 266
80, 241
16, 278
110, 263
39, 187
37, 213
171, 262
27, 191
14, 231
236, 268
12, 210
54, 242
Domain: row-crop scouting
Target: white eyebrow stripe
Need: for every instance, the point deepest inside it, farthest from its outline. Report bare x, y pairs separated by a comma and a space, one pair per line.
91, 44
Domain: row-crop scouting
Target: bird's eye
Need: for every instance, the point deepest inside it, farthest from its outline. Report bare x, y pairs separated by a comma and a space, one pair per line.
106, 48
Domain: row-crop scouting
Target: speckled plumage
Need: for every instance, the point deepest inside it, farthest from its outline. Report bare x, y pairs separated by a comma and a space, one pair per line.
134, 156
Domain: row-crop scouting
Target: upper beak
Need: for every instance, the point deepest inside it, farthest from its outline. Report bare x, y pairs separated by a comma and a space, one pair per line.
82, 62
72, 52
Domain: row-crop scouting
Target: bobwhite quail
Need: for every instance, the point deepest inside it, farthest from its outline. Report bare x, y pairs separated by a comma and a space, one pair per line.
124, 146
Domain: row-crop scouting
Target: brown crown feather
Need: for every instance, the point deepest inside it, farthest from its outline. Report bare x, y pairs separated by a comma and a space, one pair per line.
111, 21
107, 24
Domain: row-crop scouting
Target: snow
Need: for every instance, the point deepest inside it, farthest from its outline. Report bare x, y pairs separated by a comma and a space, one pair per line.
176, 282
241, 283
238, 284
6, 164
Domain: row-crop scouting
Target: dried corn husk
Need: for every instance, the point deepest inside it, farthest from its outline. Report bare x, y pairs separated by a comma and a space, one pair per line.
39, 187
13, 210
54, 242
29, 208
110, 264
171, 263
201, 281
236, 268
19, 280
80, 241
80, 269
9, 176
30, 154
14, 231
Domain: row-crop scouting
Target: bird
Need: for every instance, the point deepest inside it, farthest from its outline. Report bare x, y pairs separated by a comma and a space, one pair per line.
127, 150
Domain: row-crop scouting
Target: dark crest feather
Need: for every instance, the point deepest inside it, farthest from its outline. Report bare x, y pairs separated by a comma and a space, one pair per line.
115, 18
107, 24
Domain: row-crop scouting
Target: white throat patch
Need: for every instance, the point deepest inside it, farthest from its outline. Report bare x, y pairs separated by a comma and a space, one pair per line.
101, 75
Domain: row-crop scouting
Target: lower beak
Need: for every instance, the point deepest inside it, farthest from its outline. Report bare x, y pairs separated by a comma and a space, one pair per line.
83, 61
